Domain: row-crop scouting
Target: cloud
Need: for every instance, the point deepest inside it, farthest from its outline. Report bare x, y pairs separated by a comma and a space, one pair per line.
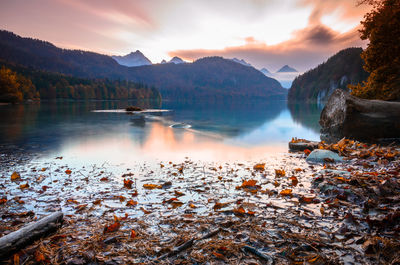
307, 48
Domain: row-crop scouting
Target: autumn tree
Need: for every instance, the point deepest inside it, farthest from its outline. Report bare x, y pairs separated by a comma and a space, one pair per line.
381, 26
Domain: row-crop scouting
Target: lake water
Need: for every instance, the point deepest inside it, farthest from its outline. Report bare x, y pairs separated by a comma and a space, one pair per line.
99, 131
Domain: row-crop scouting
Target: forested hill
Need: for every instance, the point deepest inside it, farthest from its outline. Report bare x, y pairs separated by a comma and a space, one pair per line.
345, 67
209, 77
19, 83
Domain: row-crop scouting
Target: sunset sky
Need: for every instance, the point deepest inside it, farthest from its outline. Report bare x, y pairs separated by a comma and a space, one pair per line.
266, 33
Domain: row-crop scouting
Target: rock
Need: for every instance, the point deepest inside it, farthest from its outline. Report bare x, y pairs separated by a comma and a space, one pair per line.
323, 156
347, 116
301, 146
133, 108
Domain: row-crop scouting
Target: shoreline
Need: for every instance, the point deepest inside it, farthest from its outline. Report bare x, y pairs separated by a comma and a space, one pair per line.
292, 210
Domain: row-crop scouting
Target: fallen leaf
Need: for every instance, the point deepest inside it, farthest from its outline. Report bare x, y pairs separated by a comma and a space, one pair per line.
112, 228
104, 179
191, 205
15, 176
280, 173
133, 233
152, 186
294, 180
3, 200
131, 203
307, 152
259, 167
24, 186
128, 183
286, 192
239, 211
68, 172
39, 257
219, 205
97, 202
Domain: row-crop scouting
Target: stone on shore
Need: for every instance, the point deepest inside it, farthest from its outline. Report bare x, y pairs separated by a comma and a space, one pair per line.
323, 156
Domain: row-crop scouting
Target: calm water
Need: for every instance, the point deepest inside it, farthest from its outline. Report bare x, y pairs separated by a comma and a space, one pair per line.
95, 132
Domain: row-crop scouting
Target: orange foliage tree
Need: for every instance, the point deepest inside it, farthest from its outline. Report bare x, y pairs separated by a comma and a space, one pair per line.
381, 26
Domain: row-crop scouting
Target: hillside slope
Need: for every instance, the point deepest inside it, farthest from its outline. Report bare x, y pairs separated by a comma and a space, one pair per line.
345, 67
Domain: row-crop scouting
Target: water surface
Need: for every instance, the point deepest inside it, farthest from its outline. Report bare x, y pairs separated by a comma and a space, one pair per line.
99, 131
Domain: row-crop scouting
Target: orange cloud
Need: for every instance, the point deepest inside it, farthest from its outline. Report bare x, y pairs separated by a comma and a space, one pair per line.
307, 48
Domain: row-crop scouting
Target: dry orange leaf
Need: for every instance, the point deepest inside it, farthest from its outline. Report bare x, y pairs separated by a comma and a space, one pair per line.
112, 228
152, 186
128, 183
24, 186
131, 203
39, 257
97, 202
286, 192
304, 199
15, 176
219, 205
280, 173
294, 180
104, 179
133, 233
191, 205
68, 172
218, 255
307, 151
3, 200
239, 211
259, 167
119, 219
178, 193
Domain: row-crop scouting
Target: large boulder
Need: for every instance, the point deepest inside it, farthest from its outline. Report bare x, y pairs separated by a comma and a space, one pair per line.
347, 116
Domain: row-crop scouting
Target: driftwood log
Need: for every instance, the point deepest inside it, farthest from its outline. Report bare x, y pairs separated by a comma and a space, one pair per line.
15, 241
347, 116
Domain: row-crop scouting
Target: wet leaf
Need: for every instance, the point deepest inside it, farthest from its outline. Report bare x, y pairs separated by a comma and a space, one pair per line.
68, 172
178, 193
39, 257
97, 202
131, 203
219, 205
128, 183
218, 255
3, 200
15, 176
112, 228
191, 205
286, 192
152, 186
304, 199
80, 208
259, 167
307, 152
294, 180
24, 186
133, 233
280, 173
239, 211
104, 179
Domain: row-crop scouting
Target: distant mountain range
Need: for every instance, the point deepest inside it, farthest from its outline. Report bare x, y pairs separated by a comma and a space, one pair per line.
212, 77
133, 59
241, 61
265, 71
345, 67
287, 69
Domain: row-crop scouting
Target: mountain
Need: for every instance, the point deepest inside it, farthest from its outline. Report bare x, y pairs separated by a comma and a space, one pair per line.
265, 71
210, 77
133, 59
345, 67
241, 61
213, 77
163, 61
176, 60
286, 69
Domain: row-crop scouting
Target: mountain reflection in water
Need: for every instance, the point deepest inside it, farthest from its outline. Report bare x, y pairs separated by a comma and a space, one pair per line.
227, 130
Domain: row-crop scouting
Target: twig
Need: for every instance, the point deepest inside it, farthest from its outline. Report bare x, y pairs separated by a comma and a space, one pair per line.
188, 244
258, 254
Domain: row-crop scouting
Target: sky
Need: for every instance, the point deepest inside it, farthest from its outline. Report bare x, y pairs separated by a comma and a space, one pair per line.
265, 33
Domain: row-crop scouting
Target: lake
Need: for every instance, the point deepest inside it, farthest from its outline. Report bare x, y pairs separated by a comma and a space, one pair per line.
100, 131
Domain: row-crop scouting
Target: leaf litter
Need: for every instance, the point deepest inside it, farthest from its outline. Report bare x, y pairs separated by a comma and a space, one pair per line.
279, 210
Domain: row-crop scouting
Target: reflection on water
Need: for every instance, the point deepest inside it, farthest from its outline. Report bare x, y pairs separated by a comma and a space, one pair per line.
203, 131
307, 114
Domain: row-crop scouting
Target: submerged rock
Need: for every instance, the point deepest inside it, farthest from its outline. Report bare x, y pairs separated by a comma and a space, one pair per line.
323, 156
